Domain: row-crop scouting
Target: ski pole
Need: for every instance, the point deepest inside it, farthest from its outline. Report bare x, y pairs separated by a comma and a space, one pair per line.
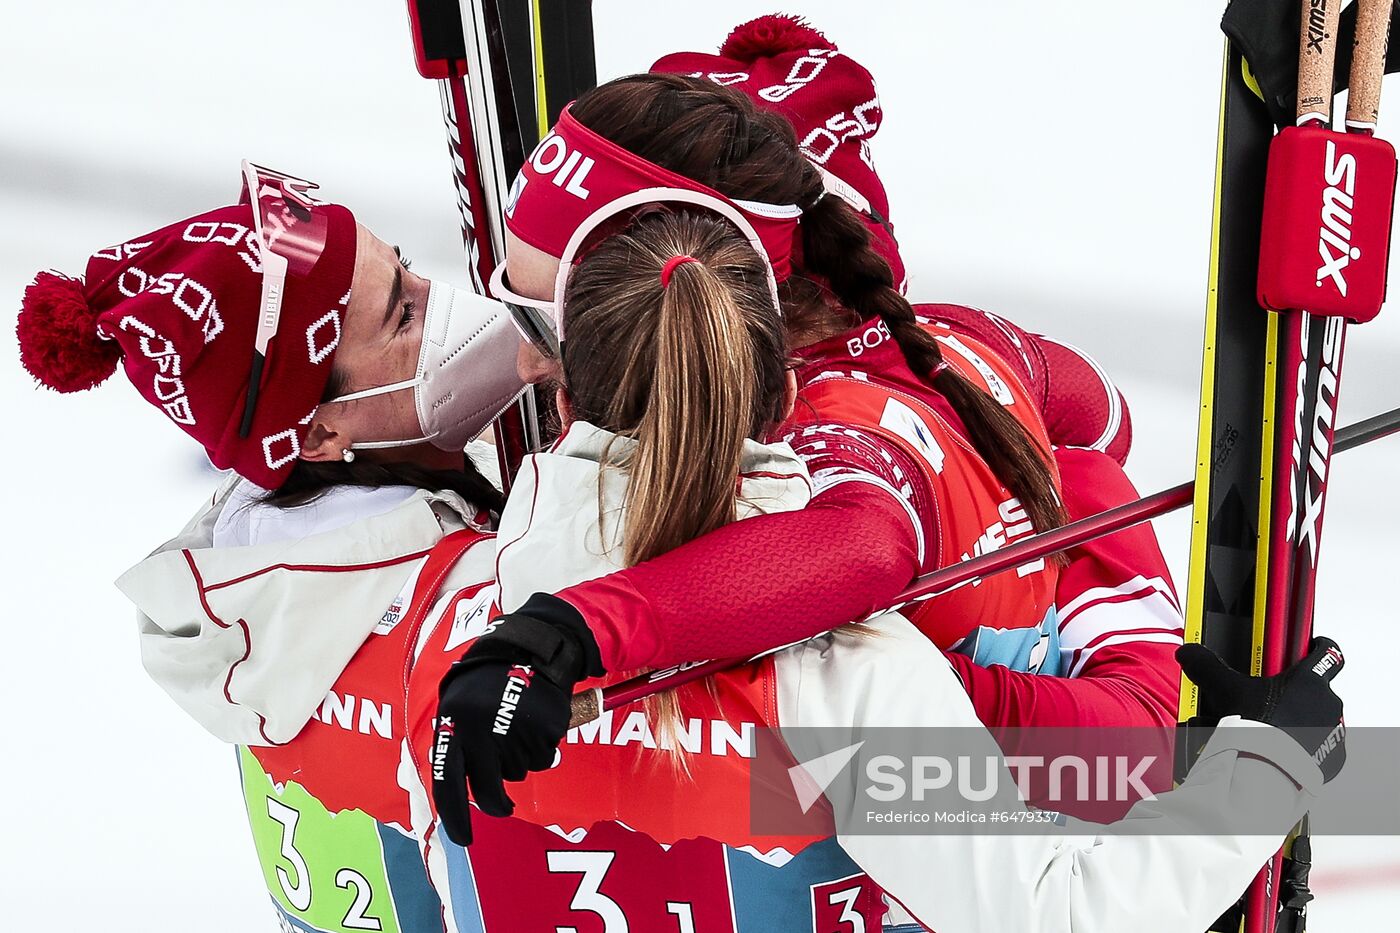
589, 704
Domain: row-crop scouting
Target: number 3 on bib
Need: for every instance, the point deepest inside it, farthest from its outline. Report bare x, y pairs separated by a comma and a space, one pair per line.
589, 898
334, 872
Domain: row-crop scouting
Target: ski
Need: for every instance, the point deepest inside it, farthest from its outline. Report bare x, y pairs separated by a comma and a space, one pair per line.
1235, 418
548, 55
1305, 157
504, 68
1232, 507
567, 60
1269, 382
1298, 373
537, 57
481, 149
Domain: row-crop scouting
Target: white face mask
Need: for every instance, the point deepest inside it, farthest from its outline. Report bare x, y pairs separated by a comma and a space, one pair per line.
466, 369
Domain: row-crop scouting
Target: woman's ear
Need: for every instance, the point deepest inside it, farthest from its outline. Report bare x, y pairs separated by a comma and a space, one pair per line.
322, 444
789, 393
565, 406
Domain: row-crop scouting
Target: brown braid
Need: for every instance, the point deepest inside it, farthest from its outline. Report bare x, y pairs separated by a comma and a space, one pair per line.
718, 137
836, 244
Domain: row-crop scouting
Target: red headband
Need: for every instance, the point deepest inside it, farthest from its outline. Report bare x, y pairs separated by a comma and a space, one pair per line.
574, 171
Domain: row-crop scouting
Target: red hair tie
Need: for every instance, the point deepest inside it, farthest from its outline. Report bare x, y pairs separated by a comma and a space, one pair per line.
670, 267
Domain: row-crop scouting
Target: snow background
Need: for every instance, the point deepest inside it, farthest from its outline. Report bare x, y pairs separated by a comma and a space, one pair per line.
1050, 162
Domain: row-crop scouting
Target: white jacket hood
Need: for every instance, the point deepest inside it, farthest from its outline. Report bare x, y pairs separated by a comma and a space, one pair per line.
248, 640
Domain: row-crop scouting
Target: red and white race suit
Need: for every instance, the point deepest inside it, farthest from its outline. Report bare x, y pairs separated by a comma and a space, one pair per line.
862, 416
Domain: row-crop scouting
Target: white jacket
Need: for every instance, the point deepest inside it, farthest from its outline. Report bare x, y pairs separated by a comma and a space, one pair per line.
248, 640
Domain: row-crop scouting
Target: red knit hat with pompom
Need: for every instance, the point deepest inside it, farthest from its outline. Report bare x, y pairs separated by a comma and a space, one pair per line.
179, 309
785, 65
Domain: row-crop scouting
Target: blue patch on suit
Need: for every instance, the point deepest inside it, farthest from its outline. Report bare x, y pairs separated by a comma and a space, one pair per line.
415, 902
465, 906
1034, 650
768, 898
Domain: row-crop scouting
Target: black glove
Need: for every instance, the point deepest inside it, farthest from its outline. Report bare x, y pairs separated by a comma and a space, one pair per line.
1299, 701
503, 708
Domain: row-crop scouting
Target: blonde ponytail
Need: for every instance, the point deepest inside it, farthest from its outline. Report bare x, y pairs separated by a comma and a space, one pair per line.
699, 412
689, 369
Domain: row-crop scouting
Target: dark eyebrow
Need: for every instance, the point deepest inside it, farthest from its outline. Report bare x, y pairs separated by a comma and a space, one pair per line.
395, 293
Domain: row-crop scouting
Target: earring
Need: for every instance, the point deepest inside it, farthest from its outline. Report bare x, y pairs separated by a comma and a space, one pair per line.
347, 455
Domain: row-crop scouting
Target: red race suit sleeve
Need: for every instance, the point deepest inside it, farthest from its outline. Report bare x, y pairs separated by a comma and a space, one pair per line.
1120, 624
1080, 404
774, 579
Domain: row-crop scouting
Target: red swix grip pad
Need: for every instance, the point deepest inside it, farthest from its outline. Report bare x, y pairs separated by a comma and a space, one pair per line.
1328, 200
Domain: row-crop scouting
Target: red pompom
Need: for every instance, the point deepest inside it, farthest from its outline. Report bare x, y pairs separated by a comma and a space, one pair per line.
770, 35
58, 341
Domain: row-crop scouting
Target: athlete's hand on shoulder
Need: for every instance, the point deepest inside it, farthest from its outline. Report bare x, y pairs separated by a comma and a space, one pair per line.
1300, 701
503, 708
